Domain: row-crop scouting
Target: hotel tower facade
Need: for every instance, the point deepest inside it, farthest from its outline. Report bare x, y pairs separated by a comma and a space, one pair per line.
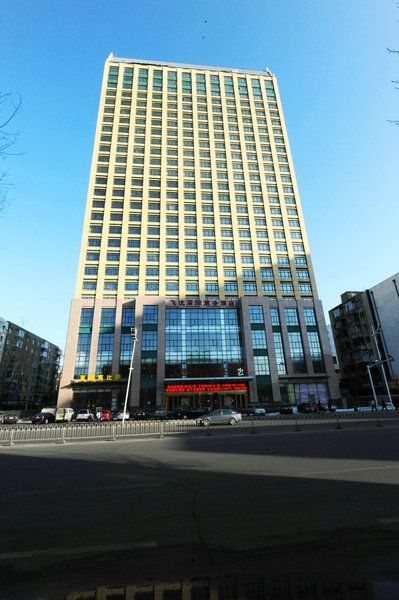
194, 239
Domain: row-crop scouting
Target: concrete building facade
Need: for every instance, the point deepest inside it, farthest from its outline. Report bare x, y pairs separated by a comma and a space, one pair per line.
29, 368
366, 332
194, 237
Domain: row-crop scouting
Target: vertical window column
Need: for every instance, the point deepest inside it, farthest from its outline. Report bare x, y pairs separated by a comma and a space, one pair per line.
84, 343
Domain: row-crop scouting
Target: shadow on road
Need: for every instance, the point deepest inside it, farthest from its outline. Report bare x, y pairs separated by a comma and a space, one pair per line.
280, 516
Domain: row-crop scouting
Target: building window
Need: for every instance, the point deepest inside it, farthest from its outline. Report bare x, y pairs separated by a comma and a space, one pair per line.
291, 317
150, 315
82, 353
107, 317
86, 317
125, 353
256, 314
279, 353
192, 286
287, 287
230, 287
315, 352
149, 341
261, 365
128, 316
275, 318
104, 353
258, 339
310, 317
305, 288
296, 351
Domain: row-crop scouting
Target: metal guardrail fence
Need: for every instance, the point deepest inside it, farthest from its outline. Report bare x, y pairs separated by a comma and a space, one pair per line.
70, 432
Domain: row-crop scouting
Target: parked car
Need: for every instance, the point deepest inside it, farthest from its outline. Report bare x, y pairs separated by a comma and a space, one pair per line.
85, 415
119, 416
104, 415
253, 410
160, 413
187, 412
2, 415
305, 407
139, 415
222, 416
63, 414
286, 409
259, 410
247, 412
10, 418
43, 418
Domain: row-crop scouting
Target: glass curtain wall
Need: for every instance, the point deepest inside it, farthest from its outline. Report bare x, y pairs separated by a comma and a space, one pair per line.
203, 343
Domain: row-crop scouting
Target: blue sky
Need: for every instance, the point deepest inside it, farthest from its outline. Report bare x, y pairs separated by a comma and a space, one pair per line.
334, 75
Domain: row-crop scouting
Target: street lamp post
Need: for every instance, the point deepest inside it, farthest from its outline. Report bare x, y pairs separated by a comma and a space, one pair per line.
381, 362
372, 384
377, 363
133, 331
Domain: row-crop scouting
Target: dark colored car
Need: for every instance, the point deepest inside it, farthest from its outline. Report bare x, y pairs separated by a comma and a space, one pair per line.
305, 407
139, 415
247, 412
286, 409
253, 410
10, 419
160, 413
43, 418
187, 412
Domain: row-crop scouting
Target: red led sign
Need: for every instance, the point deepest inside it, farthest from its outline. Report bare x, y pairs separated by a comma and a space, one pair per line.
206, 387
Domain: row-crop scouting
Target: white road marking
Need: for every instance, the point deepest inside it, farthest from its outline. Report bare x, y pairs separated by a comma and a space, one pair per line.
76, 550
354, 470
389, 520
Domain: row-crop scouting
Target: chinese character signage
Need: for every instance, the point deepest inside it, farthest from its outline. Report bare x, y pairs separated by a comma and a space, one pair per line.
198, 302
230, 386
91, 377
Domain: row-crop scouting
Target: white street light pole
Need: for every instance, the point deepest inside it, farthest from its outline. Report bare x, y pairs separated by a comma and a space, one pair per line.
381, 362
133, 331
372, 384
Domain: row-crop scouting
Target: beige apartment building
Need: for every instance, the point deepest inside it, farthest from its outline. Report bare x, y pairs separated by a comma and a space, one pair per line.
194, 243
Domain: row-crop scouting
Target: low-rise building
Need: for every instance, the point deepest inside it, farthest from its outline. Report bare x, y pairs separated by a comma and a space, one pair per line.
365, 327
29, 367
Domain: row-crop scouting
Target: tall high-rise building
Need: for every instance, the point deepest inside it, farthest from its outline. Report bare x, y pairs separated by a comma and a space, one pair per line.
194, 236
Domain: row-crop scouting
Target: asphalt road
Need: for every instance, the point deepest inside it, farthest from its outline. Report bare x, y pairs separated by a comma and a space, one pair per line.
318, 504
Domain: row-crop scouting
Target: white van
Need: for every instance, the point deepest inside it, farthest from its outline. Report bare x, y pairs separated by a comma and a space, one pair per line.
64, 414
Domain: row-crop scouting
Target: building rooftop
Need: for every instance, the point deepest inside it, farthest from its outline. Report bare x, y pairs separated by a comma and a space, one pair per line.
161, 63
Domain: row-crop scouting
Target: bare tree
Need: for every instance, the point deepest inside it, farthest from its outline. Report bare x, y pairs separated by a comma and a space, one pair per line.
394, 81
9, 107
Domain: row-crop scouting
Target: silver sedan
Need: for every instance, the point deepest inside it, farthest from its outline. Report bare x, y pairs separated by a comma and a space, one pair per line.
222, 416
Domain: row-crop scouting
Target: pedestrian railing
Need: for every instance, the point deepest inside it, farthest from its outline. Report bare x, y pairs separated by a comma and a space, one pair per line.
75, 432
